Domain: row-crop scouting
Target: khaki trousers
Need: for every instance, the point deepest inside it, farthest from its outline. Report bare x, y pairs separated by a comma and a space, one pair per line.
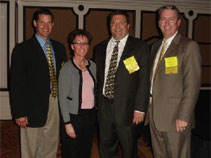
42, 142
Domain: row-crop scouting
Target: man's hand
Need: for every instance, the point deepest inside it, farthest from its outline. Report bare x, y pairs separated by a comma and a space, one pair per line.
181, 125
22, 122
70, 130
138, 117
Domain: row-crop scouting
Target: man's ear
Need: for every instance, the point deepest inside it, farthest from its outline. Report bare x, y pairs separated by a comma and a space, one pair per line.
34, 23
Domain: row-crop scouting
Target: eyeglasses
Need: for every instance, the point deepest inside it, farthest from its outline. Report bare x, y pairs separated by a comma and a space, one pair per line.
80, 43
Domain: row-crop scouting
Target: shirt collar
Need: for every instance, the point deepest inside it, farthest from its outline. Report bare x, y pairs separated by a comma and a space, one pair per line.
122, 41
169, 40
41, 40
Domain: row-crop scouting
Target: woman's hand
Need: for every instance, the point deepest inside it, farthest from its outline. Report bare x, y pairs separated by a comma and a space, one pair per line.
70, 130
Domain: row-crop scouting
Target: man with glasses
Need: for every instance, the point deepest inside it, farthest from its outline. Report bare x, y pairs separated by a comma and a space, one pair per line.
122, 87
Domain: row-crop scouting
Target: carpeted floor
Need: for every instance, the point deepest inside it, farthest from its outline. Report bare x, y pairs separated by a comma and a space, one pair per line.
10, 148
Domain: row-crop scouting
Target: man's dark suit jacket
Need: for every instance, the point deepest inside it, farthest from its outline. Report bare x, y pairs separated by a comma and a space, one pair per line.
30, 80
130, 90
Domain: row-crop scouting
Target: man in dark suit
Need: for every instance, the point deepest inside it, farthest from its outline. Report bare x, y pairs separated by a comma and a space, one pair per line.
175, 84
34, 102
122, 91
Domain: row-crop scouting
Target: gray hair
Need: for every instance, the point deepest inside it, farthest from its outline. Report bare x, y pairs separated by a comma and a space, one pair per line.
171, 7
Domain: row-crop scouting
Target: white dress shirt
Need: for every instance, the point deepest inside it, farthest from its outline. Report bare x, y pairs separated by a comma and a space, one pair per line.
109, 51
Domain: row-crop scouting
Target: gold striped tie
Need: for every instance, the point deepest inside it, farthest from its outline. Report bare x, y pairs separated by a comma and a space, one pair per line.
160, 57
53, 80
109, 85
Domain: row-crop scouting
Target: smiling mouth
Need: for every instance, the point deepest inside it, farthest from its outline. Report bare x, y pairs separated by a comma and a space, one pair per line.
118, 31
46, 31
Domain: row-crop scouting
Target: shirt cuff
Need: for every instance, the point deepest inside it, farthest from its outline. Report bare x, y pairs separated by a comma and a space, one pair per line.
139, 111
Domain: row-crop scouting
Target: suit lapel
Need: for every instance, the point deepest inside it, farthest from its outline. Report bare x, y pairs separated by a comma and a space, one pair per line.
56, 53
173, 46
125, 54
38, 50
127, 49
103, 57
171, 51
154, 52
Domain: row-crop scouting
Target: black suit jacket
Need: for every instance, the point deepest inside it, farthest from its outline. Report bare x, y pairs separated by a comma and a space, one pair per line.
30, 80
131, 90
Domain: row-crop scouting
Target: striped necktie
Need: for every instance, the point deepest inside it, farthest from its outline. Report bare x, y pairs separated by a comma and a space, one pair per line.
160, 57
109, 85
53, 80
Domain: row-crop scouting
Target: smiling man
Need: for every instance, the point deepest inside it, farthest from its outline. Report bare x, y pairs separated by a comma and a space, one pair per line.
122, 87
33, 90
175, 83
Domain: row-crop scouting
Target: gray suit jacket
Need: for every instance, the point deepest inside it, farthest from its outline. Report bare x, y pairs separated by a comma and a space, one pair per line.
175, 94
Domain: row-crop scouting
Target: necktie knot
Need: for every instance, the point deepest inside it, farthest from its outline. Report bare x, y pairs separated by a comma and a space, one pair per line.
116, 47
47, 46
117, 42
165, 43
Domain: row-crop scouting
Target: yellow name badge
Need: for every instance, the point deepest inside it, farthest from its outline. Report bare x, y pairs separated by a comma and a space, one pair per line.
171, 65
131, 64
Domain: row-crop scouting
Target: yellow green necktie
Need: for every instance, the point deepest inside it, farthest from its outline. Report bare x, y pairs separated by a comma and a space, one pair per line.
53, 80
160, 57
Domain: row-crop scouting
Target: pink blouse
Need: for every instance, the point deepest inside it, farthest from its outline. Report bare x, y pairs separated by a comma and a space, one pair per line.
87, 91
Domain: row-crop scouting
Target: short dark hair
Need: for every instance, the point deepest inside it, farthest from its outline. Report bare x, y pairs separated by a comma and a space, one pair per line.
44, 11
78, 32
118, 12
171, 7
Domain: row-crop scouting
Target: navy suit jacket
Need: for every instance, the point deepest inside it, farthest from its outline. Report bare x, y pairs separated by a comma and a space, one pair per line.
30, 80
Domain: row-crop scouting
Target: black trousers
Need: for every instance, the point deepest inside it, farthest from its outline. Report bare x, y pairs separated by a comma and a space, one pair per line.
112, 134
84, 126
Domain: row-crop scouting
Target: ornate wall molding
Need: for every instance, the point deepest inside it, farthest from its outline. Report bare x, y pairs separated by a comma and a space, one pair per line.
190, 7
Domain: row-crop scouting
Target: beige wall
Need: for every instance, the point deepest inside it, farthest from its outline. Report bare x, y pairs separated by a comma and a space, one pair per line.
95, 23
65, 22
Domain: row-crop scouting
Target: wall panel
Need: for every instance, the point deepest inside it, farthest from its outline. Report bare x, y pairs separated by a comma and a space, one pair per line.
149, 27
4, 45
96, 24
201, 34
65, 20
